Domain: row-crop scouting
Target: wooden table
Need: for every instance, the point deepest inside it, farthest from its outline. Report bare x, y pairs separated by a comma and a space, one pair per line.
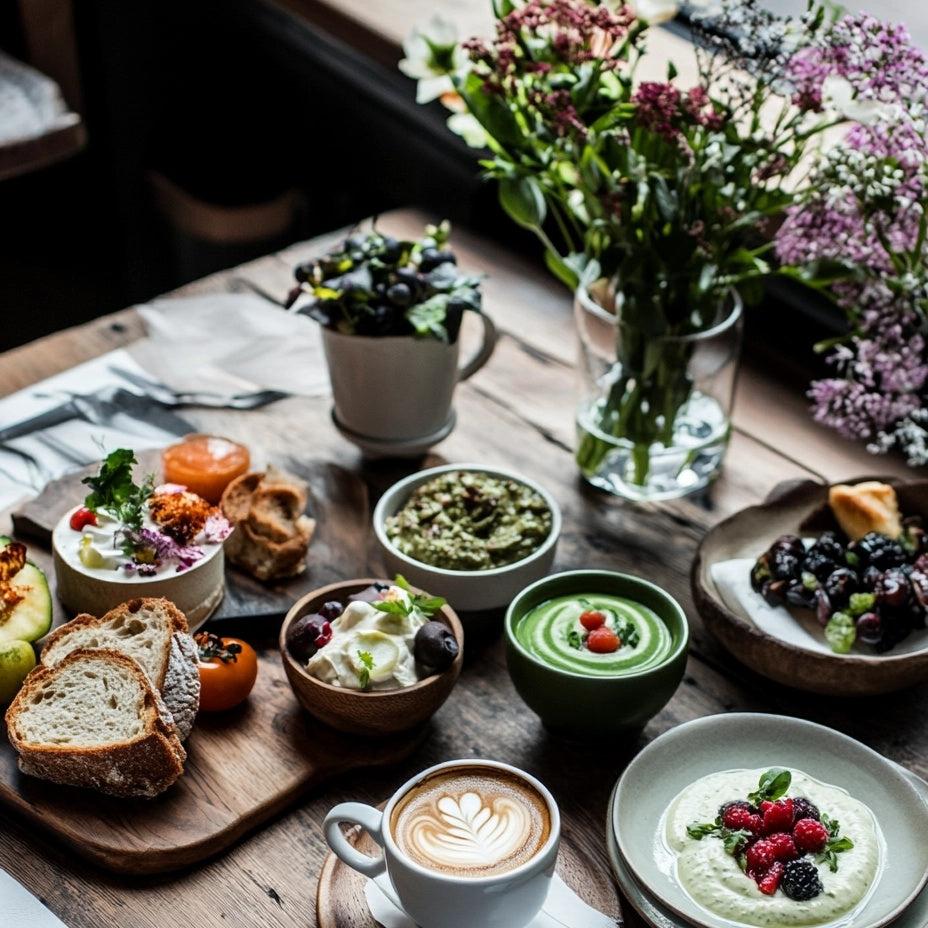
517, 411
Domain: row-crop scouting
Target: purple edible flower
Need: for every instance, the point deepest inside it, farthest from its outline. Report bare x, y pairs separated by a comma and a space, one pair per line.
164, 548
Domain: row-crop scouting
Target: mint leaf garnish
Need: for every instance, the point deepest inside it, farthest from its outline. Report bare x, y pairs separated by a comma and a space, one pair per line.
772, 785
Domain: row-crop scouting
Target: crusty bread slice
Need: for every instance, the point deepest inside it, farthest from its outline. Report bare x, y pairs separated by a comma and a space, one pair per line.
154, 633
95, 720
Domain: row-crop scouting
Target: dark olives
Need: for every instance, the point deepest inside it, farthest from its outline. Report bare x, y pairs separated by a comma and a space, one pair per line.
331, 610
435, 647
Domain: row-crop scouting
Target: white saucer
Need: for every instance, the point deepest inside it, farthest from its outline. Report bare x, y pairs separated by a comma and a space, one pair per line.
655, 913
386, 448
563, 908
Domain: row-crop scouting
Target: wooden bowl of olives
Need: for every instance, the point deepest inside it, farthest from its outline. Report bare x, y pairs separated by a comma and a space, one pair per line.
370, 672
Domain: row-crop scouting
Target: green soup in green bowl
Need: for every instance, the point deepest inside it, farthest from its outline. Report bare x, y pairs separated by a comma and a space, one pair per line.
595, 651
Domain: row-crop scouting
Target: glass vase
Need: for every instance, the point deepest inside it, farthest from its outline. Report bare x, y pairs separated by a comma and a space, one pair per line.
654, 415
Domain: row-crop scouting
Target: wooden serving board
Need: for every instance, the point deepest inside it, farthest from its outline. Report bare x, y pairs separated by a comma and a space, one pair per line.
243, 767
340, 901
338, 503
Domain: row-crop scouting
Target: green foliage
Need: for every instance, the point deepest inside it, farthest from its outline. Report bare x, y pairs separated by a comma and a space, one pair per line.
772, 785
114, 491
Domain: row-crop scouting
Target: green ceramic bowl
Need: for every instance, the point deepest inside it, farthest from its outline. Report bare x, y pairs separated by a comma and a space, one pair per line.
576, 704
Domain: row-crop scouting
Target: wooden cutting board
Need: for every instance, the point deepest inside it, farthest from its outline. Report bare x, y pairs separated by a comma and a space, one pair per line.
243, 767
338, 503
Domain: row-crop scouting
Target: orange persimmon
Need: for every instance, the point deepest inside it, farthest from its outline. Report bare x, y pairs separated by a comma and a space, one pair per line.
228, 670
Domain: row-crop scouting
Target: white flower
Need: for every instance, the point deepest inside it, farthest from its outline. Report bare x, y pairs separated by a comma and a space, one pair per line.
838, 94
469, 129
654, 11
432, 57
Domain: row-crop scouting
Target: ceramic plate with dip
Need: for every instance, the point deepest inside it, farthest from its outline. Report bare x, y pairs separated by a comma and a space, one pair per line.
745, 741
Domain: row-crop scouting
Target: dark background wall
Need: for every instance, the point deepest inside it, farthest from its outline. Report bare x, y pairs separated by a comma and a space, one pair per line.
237, 103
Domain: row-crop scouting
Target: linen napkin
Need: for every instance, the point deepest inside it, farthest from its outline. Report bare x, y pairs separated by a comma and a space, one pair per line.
231, 342
563, 908
21, 909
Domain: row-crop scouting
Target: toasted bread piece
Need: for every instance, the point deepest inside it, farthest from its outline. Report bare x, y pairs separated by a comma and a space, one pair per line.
95, 720
870, 506
154, 633
272, 534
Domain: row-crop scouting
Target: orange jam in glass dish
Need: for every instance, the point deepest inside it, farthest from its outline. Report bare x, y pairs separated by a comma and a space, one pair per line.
205, 464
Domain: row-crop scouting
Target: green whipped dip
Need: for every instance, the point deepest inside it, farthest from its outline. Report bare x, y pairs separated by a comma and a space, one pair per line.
470, 520
548, 630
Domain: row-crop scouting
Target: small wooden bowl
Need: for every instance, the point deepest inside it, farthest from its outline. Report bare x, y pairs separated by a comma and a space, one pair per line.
376, 713
798, 508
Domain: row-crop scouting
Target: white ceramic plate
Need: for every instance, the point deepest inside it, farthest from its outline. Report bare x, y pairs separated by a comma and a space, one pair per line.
915, 916
750, 740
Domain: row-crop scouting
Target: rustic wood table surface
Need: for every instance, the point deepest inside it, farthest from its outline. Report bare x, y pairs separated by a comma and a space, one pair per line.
517, 411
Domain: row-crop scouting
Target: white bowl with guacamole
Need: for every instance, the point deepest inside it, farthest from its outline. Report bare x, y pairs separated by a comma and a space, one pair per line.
479, 534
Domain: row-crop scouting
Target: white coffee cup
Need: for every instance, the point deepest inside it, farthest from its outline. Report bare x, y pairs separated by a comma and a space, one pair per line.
434, 899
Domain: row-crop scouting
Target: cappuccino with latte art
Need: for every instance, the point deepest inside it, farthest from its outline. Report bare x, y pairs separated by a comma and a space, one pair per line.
471, 822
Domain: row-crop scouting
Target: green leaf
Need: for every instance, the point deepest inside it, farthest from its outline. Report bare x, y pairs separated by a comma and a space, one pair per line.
393, 606
523, 200
364, 674
561, 269
698, 832
428, 317
490, 111
841, 633
114, 490
734, 841
772, 785
574, 639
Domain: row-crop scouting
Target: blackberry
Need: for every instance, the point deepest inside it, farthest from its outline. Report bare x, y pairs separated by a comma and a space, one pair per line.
878, 551
839, 585
828, 544
819, 563
802, 808
801, 880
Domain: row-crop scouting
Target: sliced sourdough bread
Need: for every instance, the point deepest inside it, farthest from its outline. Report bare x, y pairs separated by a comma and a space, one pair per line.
95, 720
152, 632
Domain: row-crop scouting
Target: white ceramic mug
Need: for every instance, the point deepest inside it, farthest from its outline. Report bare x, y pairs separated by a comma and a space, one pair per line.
440, 900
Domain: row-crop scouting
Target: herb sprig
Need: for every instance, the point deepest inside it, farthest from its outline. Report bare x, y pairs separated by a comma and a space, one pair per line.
427, 605
114, 490
367, 665
836, 844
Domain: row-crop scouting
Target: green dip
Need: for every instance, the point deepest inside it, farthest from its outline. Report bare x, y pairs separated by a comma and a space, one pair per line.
547, 630
470, 520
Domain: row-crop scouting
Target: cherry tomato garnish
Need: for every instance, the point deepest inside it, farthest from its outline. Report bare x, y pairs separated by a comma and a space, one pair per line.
228, 669
82, 517
591, 619
603, 640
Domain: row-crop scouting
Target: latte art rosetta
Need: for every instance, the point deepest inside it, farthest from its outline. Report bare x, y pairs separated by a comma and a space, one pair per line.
471, 824
468, 833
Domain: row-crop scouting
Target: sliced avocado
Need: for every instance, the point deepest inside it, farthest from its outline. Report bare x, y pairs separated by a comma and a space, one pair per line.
31, 617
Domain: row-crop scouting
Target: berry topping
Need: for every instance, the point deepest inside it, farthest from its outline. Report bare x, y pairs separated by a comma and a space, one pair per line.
603, 640
770, 881
737, 815
760, 858
778, 816
802, 808
592, 619
784, 847
82, 517
810, 836
801, 880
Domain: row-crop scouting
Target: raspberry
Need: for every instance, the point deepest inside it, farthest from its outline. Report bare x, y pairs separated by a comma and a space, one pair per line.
736, 815
802, 808
591, 619
603, 640
760, 858
756, 825
770, 881
810, 836
784, 848
779, 817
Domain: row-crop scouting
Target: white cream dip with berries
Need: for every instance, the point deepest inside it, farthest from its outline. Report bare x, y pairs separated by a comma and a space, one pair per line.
714, 878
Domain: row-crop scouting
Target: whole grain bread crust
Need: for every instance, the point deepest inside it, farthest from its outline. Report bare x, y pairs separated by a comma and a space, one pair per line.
179, 683
141, 767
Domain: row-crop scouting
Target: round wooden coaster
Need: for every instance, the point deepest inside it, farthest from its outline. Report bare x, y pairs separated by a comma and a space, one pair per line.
340, 901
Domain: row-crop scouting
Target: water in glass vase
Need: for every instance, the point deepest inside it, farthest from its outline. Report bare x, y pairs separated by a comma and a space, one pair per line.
687, 465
